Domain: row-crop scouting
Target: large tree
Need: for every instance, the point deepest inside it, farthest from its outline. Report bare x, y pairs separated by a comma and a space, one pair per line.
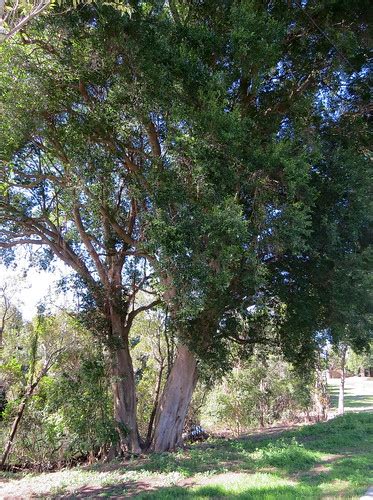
278, 137
69, 190
197, 136
93, 153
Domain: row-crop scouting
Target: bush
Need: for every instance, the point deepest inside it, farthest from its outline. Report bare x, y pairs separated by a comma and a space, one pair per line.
257, 393
70, 413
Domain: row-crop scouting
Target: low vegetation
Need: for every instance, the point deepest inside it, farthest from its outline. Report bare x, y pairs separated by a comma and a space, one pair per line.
329, 459
68, 419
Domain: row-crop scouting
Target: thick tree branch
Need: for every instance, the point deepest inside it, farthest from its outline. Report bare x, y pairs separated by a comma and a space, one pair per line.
102, 272
153, 138
38, 9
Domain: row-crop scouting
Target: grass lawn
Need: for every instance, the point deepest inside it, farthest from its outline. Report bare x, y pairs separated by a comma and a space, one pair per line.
328, 460
358, 393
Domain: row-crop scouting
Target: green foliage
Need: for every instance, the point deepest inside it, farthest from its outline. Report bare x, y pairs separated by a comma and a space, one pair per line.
356, 362
287, 454
70, 414
228, 130
224, 142
259, 392
80, 406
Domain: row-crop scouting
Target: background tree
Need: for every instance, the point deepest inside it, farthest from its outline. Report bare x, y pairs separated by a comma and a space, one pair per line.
78, 205
358, 363
67, 411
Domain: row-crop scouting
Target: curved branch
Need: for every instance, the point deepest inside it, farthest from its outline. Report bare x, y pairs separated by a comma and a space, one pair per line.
132, 315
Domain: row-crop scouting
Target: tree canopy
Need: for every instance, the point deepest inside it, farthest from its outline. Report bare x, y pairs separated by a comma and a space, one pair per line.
214, 154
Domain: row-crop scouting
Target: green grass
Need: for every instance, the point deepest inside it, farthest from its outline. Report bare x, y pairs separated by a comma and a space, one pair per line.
255, 486
358, 394
326, 460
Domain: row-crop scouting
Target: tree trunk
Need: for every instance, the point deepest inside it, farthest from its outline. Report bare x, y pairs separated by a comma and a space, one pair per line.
16, 422
175, 400
341, 407
124, 389
262, 403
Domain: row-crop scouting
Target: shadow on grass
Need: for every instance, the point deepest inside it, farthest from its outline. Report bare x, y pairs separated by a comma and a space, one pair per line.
321, 459
125, 490
358, 401
169, 493
293, 450
221, 492
351, 400
354, 471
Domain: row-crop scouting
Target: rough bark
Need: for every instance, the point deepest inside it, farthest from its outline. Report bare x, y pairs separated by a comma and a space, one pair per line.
124, 390
175, 400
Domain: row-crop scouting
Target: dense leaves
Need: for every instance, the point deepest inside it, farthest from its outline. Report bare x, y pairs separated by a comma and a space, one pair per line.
214, 154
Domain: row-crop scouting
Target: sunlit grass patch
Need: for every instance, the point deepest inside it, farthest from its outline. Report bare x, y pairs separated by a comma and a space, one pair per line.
258, 485
358, 394
255, 485
341, 433
286, 454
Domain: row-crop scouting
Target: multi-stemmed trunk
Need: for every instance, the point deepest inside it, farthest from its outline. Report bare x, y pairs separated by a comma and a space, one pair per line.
175, 401
171, 410
173, 404
178, 391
